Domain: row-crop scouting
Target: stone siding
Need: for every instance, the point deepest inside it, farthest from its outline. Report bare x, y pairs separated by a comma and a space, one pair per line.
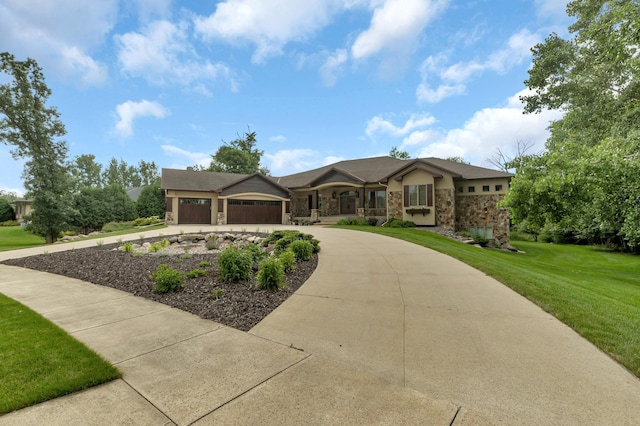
482, 211
446, 208
329, 207
395, 204
300, 207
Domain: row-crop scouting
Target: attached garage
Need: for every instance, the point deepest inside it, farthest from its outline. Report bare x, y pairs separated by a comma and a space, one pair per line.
254, 211
194, 211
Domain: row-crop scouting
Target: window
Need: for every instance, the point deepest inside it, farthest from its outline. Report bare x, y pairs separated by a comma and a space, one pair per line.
498, 187
471, 189
377, 200
418, 195
203, 201
485, 188
460, 189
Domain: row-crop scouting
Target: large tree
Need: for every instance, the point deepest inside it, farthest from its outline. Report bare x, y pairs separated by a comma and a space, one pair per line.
151, 202
585, 184
238, 156
86, 172
34, 129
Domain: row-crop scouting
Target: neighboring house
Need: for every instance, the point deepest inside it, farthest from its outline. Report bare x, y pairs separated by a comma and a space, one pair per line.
23, 208
427, 191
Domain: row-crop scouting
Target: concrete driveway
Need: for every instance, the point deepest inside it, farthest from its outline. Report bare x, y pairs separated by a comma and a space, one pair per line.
384, 332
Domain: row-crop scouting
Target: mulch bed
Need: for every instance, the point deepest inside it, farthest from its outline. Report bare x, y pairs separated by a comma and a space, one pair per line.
240, 307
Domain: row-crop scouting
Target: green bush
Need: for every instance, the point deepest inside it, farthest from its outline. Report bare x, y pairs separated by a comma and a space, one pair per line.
159, 245
204, 264
270, 274
145, 221
354, 221
301, 249
216, 293
235, 264
288, 260
282, 239
397, 223
256, 252
127, 248
10, 223
167, 279
195, 273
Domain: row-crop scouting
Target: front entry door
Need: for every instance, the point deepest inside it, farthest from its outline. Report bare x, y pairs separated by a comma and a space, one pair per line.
348, 203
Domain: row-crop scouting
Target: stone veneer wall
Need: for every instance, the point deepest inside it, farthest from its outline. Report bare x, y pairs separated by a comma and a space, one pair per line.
445, 205
329, 207
300, 207
395, 204
470, 212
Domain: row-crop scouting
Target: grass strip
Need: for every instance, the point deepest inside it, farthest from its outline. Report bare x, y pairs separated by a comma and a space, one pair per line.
40, 361
594, 291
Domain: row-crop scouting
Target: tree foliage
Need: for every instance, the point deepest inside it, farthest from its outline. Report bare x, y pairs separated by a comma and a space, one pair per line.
6, 211
585, 186
396, 153
96, 206
238, 156
34, 129
128, 176
86, 172
151, 202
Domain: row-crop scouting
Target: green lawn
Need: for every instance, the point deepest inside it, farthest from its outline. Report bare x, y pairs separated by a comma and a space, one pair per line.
594, 291
14, 237
40, 361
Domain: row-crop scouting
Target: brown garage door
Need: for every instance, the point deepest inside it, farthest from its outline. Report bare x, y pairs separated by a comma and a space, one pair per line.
194, 211
254, 211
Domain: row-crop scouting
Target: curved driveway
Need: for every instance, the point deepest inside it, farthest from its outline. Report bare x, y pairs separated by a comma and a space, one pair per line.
384, 332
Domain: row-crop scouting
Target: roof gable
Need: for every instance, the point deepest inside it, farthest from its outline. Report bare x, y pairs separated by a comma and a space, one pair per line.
413, 165
334, 175
254, 183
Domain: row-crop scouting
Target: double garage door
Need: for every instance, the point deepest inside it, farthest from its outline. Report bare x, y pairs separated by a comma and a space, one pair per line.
254, 211
198, 211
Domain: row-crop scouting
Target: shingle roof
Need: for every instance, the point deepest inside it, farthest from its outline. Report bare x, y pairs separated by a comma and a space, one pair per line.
369, 170
376, 169
192, 180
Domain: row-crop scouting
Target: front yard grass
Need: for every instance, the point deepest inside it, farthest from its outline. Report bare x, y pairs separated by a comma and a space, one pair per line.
594, 291
15, 237
40, 361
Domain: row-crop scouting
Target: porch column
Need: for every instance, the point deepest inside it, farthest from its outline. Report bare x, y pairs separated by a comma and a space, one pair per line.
314, 215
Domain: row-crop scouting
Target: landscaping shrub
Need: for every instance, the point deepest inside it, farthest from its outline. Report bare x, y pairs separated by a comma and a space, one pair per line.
159, 245
167, 279
288, 260
301, 249
204, 264
145, 221
127, 248
256, 252
270, 274
354, 221
10, 223
397, 223
234, 264
216, 293
282, 239
195, 273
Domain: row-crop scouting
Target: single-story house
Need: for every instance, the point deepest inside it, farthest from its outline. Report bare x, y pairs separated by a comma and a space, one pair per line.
23, 208
427, 191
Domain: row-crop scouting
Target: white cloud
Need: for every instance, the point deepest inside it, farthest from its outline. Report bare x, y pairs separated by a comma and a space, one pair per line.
453, 79
395, 24
278, 138
267, 25
130, 111
289, 161
379, 125
551, 8
193, 158
487, 130
333, 66
161, 53
60, 34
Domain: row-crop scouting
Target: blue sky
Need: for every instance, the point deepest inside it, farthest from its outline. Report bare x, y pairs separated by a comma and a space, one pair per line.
318, 80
